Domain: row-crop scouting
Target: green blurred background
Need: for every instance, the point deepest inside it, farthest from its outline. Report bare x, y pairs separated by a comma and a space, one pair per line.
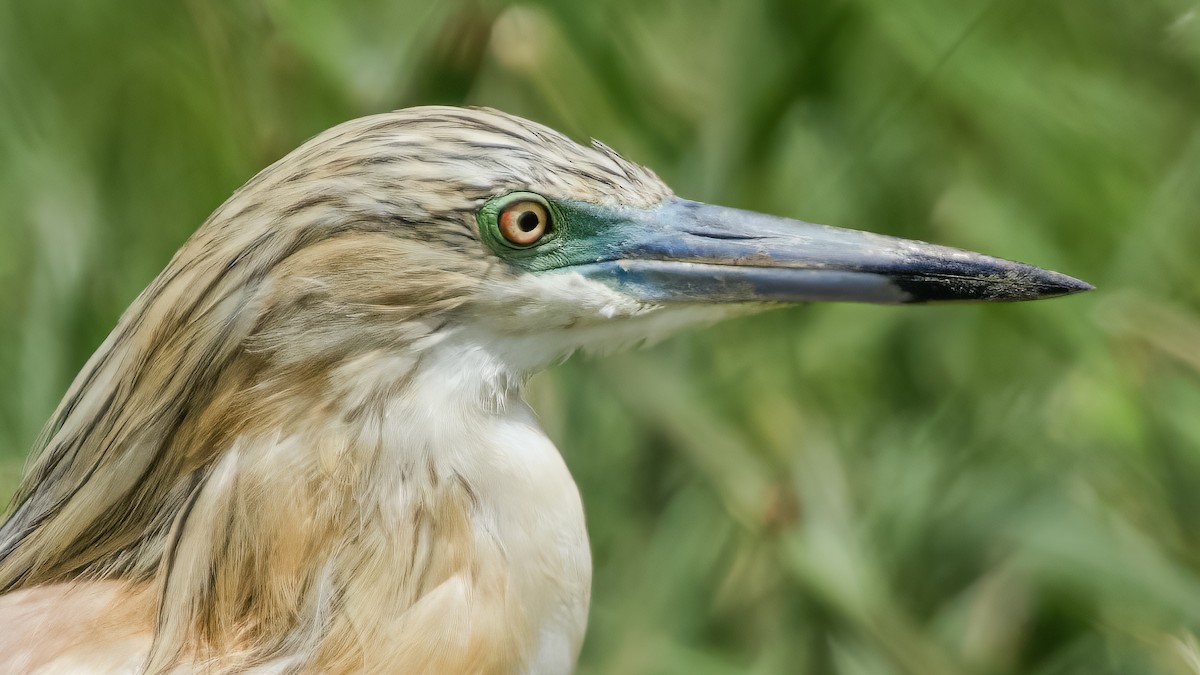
830, 489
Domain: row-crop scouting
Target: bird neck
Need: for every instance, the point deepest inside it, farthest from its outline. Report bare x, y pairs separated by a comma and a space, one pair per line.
412, 495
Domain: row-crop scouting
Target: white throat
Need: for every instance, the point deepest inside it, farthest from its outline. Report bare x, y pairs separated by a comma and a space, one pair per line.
459, 417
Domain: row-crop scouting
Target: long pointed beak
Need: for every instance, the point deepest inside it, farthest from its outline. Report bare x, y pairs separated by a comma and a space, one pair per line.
685, 251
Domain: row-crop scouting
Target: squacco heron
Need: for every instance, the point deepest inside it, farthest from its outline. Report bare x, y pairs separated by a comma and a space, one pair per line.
303, 448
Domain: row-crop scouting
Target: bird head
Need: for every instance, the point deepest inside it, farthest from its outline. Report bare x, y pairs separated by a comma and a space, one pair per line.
481, 224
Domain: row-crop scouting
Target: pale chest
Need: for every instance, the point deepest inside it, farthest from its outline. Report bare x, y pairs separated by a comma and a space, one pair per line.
495, 528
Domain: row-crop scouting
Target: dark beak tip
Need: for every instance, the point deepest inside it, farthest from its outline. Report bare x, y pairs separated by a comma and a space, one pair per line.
1015, 282
1078, 286
1056, 284
1040, 284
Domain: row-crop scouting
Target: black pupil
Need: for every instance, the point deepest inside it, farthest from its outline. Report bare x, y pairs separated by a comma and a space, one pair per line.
528, 221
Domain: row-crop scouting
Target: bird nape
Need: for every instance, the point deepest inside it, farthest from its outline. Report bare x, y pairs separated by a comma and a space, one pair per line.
303, 447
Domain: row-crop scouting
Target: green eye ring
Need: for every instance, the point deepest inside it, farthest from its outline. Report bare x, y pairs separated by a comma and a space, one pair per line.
517, 221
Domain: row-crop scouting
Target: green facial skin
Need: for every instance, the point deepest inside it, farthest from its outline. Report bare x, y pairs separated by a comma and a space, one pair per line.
578, 233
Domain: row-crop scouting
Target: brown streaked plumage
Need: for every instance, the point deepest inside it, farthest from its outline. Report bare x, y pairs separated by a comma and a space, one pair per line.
303, 449
158, 467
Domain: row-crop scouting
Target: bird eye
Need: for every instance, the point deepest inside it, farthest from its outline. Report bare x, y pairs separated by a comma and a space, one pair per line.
520, 225
524, 223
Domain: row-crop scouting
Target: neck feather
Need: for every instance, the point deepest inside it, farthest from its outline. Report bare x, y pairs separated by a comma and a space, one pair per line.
346, 522
329, 516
